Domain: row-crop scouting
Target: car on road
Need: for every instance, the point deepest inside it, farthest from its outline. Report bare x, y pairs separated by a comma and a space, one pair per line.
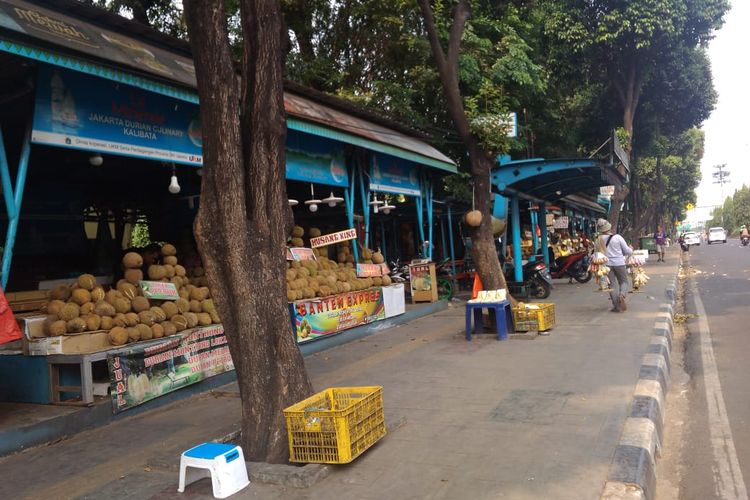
716, 235
691, 238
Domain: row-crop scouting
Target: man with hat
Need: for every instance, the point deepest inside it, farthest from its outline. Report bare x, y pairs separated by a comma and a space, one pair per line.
616, 249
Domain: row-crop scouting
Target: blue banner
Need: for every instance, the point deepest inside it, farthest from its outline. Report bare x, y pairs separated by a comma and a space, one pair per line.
389, 174
77, 111
319, 169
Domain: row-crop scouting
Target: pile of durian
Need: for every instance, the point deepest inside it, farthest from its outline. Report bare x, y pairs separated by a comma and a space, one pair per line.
85, 306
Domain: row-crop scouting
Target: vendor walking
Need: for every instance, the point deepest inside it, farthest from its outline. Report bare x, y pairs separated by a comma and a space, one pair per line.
616, 249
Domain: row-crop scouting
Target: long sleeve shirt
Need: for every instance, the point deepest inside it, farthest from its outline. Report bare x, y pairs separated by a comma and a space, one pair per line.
617, 249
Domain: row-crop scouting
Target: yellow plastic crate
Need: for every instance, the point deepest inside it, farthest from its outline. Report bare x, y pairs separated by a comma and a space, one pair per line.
541, 319
336, 425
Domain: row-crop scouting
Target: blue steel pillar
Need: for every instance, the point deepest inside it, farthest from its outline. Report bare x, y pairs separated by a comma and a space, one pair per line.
543, 230
13, 198
534, 239
349, 198
450, 238
428, 189
365, 193
517, 257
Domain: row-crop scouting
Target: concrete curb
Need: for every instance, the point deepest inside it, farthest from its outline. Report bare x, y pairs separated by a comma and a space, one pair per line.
632, 473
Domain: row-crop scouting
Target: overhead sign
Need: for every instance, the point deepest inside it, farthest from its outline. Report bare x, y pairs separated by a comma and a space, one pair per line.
77, 111
561, 222
391, 175
330, 239
319, 169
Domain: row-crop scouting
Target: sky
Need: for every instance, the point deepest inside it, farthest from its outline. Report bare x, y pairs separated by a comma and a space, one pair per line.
727, 130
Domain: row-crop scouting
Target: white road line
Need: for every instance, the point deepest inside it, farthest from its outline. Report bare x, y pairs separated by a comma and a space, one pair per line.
727, 474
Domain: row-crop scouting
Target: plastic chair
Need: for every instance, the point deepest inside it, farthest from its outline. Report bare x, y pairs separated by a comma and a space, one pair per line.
223, 463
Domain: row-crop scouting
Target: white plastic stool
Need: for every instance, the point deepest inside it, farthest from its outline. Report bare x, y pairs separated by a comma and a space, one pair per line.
224, 463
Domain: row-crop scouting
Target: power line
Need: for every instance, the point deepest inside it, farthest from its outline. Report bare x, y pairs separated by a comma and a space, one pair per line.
721, 177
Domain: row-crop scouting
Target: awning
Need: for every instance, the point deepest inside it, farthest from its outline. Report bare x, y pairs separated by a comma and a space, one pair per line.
50, 36
584, 203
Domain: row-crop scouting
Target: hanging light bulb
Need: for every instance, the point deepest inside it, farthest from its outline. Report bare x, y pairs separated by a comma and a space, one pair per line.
96, 160
293, 202
313, 203
332, 200
174, 186
386, 209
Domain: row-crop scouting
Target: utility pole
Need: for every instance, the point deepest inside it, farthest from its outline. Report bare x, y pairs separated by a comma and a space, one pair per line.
721, 177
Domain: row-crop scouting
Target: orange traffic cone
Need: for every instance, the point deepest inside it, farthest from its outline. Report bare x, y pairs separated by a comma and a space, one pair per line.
478, 287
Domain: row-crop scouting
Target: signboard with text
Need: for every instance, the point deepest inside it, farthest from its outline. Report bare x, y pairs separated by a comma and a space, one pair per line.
327, 315
371, 270
159, 290
319, 169
391, 175
330, 239
147, 371
561, 222
302, 253
77, 111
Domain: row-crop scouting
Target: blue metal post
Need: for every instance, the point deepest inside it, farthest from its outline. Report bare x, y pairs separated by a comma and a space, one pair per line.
365, 192
349, 198
517, 256
543, 230
419, 202
450, 239
534, 239
384, 247
13, 198
428, 188
442, 237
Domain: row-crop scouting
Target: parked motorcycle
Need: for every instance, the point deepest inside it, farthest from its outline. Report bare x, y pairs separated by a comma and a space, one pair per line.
574, 266
536, 277
744, 240
400, 274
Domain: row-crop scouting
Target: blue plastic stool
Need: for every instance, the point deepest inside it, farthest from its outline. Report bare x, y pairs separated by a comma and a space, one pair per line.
503, 317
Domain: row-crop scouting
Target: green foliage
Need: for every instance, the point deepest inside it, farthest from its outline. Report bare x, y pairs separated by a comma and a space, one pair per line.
735, 211
140, 237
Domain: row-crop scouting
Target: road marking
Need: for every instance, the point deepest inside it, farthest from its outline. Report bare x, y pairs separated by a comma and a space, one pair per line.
727, 474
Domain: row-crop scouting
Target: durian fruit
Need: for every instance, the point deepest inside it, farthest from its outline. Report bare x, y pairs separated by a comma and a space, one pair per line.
146, 318
131, 319
145, 331
184, 293
208, 305
97, 294
169, 328
169, 270
183, 305
159, 314
313, 232
366, 254
87, 282
291, 295
170, 260
377, 257
76, 325
128, 290
118, 336
177, 281
157, 331
93, 322
377, 281
111, 296
195, 306
298, 242
198, 271
81, 296
192, 319
215, 317
199, 294
291, 274
170, 309
179, 270
132, 260
168, 250
87, 308
156, 272
298, 232
122, 305
107, 323
57, 328
179, 322
204, 319
139, 304
386, 280
133, 276
103, 308
53, 306
134, 335
69, 311
119, 320
60, 292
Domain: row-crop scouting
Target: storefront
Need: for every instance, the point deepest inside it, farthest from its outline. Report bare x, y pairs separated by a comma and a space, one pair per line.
102, 136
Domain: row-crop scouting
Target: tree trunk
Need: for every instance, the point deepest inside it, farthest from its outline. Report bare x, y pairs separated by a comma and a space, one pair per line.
483, 243
244, 218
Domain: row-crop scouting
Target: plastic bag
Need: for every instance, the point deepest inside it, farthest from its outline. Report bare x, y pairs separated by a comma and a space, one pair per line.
9, 330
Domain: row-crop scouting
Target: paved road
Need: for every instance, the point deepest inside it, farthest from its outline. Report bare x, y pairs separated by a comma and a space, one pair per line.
716, 452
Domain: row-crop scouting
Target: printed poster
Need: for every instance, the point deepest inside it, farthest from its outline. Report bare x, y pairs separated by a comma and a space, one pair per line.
316, 318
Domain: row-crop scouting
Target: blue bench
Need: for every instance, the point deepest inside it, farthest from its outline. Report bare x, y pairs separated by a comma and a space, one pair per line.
503, 317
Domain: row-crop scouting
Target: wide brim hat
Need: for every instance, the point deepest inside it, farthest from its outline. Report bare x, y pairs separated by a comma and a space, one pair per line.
603, 225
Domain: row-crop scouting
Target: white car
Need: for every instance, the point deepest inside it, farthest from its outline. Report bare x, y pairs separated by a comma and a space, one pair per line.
717, 234
691, 238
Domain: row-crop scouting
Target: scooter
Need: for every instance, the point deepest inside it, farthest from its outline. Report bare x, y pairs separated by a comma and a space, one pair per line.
536, 277
574, 266
744, 240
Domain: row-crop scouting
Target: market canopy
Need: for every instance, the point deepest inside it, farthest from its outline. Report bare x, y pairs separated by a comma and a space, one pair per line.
69, 34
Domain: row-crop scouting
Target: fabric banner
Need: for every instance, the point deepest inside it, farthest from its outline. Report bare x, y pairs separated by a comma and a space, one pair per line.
147, 371
391, 175
77, 111
327, 315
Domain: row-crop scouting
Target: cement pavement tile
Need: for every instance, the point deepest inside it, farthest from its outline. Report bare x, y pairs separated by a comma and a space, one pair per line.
408, 480
357, 472
467, 488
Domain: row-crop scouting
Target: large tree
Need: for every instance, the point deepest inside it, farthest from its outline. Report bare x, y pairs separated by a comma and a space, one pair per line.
244, 218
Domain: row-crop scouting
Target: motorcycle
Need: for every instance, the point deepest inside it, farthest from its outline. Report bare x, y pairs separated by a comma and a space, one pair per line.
536, 277
400, 274
744, 240
574, 266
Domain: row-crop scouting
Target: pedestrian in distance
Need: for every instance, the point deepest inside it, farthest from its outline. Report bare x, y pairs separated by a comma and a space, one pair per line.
616, 249
660, 238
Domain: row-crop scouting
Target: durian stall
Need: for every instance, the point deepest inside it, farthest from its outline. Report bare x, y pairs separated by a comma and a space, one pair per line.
93, 150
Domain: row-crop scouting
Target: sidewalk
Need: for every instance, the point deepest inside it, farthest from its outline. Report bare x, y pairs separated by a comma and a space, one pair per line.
484, 419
